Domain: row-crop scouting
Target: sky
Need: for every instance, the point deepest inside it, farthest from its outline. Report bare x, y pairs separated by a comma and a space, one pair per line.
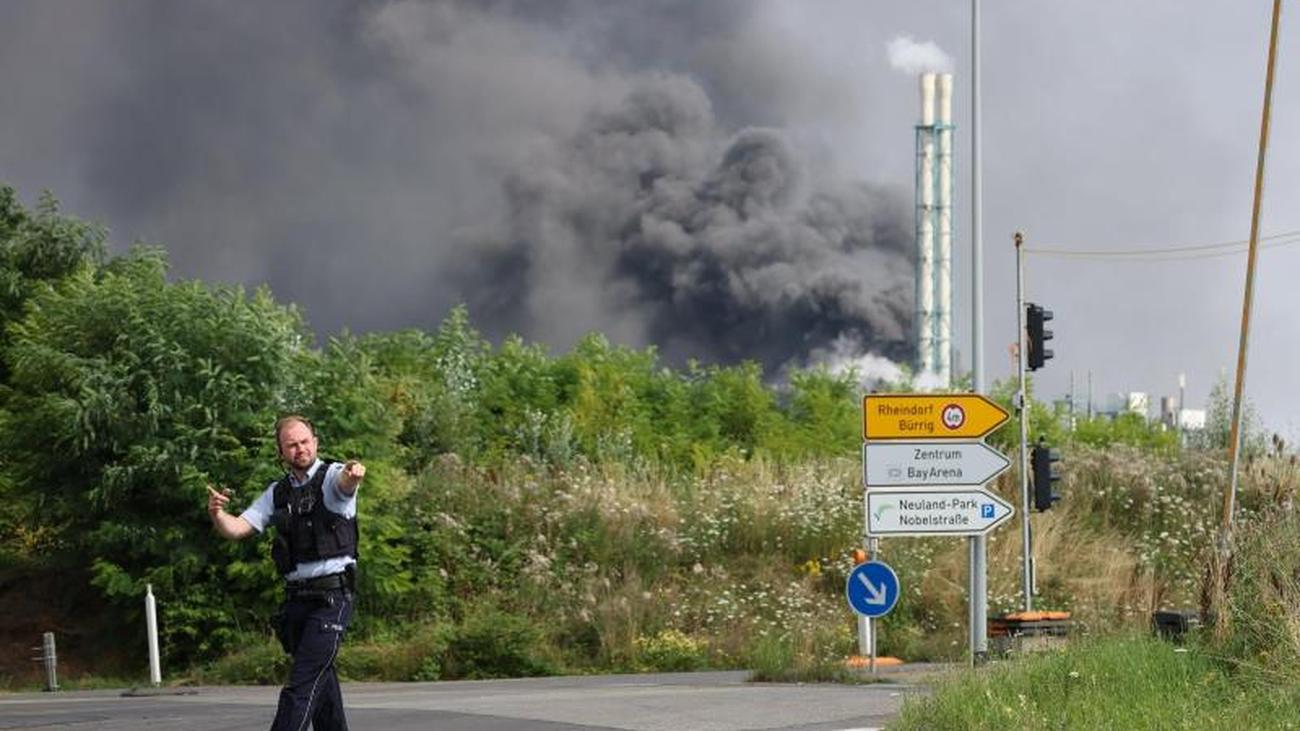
725, 180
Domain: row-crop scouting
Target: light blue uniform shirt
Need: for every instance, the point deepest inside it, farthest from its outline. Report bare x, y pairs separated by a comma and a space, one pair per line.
259, 514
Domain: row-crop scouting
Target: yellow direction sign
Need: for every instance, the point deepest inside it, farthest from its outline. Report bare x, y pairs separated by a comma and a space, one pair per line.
929, 416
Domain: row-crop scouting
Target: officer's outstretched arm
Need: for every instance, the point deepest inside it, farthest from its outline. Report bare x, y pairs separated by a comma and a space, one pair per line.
231, 527
353, 472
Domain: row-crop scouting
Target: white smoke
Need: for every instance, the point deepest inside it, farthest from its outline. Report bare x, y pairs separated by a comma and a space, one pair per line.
926, 382
910, 56
845, 356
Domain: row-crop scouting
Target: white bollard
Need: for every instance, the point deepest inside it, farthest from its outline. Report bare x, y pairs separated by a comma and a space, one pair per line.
151, 622
864, 636
51, 661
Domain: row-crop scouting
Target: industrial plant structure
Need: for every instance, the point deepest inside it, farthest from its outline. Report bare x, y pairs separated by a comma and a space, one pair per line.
934, 185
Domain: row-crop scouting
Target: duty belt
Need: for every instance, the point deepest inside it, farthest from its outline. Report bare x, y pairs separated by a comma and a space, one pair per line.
318, 583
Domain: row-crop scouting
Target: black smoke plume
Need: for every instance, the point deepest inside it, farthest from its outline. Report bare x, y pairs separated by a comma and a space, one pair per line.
650, 223
561, 166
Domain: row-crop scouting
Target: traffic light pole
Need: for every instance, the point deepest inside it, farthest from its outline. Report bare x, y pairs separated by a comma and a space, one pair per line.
1023, 413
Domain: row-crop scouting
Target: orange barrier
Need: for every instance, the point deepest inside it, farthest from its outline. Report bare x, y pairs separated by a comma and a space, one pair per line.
862, 661
1030, 624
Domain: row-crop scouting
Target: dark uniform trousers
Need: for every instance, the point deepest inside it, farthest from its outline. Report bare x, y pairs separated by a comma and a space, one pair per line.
311, 625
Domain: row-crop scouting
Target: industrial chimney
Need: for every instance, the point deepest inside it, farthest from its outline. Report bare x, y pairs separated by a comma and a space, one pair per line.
934, 228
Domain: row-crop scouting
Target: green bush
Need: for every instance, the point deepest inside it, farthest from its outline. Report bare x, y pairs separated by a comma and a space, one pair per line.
416, 655
492, 643
258, 660
1130, 429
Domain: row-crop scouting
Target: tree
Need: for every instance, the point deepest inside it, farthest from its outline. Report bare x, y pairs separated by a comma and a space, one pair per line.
38, 249
127, 395
1218, 422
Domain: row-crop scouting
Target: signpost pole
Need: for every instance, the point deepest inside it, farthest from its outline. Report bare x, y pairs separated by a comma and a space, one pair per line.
864, 635
866, 640
979, 605
871, 621
873, 554
1023, 411
873, 549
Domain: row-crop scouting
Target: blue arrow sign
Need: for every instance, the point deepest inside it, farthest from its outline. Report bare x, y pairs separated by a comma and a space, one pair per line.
872, 589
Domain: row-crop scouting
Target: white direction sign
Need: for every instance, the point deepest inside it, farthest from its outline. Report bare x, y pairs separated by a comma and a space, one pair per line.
943, 512
924, 464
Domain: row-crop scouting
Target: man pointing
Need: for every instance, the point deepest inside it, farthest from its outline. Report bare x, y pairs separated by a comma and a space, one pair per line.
313, 509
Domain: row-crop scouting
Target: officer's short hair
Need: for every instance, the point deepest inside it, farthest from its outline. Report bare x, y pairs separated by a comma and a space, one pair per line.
288, 419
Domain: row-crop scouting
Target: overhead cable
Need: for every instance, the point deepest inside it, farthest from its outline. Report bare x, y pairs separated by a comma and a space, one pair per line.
1169, 253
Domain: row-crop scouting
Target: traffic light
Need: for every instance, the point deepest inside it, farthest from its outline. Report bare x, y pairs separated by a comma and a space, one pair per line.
1035, 316
1043, 460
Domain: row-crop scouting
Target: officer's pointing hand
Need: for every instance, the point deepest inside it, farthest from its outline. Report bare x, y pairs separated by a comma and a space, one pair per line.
353, 471
216, 501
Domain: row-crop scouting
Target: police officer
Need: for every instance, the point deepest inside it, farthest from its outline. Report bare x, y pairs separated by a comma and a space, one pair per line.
313, 509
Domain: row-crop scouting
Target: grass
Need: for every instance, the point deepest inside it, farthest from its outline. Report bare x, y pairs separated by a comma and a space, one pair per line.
1126, 682
807, 655
1262, 638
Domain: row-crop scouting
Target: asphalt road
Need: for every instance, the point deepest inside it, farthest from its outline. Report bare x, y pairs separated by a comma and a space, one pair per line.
660, 702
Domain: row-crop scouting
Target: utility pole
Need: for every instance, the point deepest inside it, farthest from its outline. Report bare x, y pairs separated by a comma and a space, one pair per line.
1178, 415
978, 545
1090, 395
1071, 400
1219, 596
1234, 439
1023, 411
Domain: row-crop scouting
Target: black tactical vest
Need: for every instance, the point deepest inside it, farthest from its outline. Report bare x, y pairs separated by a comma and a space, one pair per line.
306, 530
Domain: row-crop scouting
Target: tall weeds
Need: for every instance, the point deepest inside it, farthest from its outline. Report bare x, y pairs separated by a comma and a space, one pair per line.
1264, 600
632, 568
